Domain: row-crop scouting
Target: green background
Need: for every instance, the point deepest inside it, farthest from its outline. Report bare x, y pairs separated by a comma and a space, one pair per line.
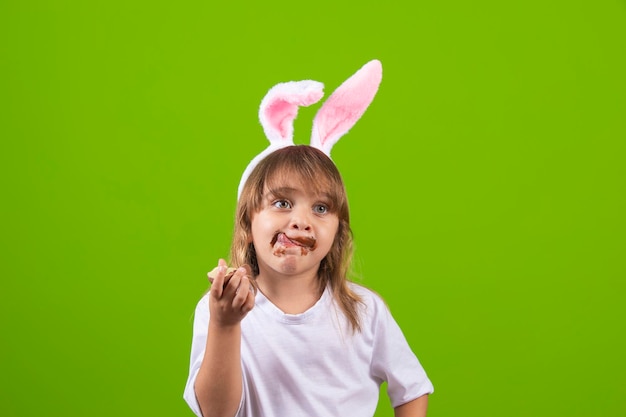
487, 184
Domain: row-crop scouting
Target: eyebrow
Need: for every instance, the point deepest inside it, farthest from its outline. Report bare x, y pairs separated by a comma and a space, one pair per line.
279, 192
282, 190
274, 192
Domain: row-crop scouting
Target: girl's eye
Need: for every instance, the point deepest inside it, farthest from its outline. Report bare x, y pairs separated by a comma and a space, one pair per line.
281, 204
320, 209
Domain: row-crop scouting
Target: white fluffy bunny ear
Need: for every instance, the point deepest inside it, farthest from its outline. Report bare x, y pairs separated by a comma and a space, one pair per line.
277, 112
280, 105
346, 106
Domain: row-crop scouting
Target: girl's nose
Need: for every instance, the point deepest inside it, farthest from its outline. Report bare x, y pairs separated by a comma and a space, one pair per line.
300, 221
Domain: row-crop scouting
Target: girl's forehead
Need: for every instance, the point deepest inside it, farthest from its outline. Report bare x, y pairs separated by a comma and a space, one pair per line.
288, 187
291, 176
296, 184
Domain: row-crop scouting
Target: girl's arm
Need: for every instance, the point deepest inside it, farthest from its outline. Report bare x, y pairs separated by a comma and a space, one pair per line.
415, 408
218, 385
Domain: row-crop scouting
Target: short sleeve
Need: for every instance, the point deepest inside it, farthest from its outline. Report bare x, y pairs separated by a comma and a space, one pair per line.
198, 344
393, 360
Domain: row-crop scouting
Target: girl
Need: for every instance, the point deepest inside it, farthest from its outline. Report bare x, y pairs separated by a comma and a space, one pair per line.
286, 334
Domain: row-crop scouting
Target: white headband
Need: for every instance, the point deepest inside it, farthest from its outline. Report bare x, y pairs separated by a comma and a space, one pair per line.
337, 115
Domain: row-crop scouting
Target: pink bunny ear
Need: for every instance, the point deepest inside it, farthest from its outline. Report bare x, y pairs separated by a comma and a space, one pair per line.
345, 106
277, 112
280, 105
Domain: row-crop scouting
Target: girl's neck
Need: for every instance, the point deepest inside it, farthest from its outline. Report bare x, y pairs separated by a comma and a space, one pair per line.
292, 295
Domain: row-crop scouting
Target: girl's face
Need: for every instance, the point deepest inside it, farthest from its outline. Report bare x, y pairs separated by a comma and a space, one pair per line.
293, 230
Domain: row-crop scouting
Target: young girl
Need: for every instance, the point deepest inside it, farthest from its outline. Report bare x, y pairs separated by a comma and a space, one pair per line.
286, 334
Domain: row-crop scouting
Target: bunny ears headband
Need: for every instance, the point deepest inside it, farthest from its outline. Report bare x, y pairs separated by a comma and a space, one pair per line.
337, 115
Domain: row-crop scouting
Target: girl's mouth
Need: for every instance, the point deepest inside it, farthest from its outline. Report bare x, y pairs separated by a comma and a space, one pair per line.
282, 243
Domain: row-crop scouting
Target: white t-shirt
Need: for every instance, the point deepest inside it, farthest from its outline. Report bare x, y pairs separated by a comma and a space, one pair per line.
311, 364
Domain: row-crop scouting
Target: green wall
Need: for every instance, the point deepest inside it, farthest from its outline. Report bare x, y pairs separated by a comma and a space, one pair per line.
487, 183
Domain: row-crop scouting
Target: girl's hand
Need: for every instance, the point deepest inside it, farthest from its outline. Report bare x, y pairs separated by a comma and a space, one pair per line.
232, 294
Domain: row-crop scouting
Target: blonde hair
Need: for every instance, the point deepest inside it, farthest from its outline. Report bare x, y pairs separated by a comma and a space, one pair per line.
317, 171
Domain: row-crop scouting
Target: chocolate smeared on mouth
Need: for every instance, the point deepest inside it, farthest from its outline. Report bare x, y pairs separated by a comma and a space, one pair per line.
305, 243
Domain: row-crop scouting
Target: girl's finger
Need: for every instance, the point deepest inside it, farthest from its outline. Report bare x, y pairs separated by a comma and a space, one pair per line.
249, 303
240, 295
230, 287
244, 297
216, 277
